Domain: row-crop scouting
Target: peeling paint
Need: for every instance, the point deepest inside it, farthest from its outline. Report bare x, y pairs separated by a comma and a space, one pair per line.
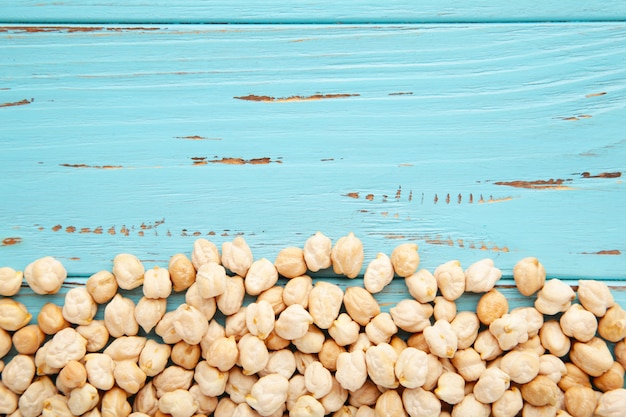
401, 93
17, 103
595, 94
604, 252
91, 166
253, 97
352, 195
196, 137
237, 161
10, 241
557, 184
71, 29
439, 240
616, 174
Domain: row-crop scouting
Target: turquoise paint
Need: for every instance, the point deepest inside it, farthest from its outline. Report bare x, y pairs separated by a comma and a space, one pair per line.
306, 11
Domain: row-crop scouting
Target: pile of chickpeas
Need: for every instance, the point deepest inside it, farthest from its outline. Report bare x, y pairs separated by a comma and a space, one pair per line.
243, 344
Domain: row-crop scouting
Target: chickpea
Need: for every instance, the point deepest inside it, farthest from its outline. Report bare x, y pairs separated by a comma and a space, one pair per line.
290, 263
45, 275
316, 251
347, 256
10, 281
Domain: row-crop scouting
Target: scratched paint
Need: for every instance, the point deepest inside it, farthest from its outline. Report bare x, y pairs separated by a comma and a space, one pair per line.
313, 97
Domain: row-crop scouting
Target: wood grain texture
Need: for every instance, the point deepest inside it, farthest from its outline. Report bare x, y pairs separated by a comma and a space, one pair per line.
481, 140
306, 11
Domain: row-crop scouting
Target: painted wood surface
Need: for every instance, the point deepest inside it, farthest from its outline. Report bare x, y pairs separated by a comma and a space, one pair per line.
481, 140
306, 11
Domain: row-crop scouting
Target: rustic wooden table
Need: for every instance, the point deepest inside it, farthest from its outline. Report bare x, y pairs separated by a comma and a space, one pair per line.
475, 130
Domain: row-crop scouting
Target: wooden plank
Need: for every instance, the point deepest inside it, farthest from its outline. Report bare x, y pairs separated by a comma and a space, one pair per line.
306, 11
482, 140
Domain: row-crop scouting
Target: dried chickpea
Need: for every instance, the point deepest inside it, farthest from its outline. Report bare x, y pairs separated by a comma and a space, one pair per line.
378, 274
317, 250
73, 375
595, 296
185, 355
381, 361
274, 296
444, 309
411, 315
344, 330
66, 345
611, 379
40, 361
172, 378
236, 324
119, 317
552, 367
307, 406
96, 335
157, 283
466, 326
335, 400
8, 400
612, 326
268, 394
149, 311
441, 339
362, 343
178, 403
487, 345
204, 251
212, 381
237, 256
553, 338
491, 385
510, 330
347, 256
311, 342
481, 276
27, 340
102, 286
422, 286
231, 300
225, 408
420, 402
450, 280
405, 259
18, 373
30, 404
470, 406
468, 364
129, 376
281, 362
390, 404
56, 406
146, 400
509, 405
182, 272
211, 280
206, 404
325, 301
529, 275
593, 357
290, 262
208, 306
297, 290
328, 354
83, 399
619, 350
411, 367
126, 347
317, 379
611, 403
13, 314
261, 276
189, 323
450, 388
555, 297
381, 328
521, 366
50, 319
223, 353
360, 305
115, 403
5, 343
128, 271
491, 306
573, 376
351, 370
99, 368
366, 395
45, 275
580, 401
79, 308
253, 354
10, 281
540, 391
578, 323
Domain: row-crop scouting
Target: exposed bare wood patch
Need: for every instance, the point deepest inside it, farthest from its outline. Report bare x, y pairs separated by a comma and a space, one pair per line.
196, 137
91, 166
595, 94
10, 241
254, 97
557, 184
574, 118
604, 252
439, 240
369, 197
16, 103
70, 229
602, 175
71, 29
236, 161
56, 228
352, 195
